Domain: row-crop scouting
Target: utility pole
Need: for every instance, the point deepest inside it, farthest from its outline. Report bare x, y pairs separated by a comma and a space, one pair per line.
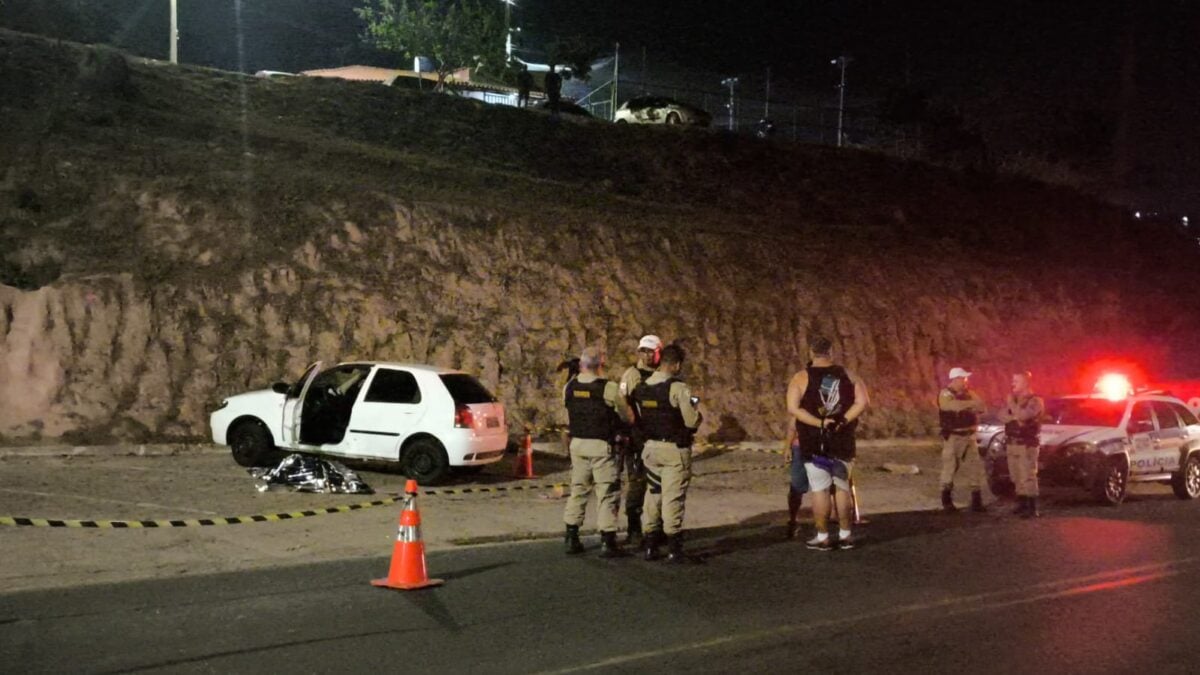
643, 69
767, 104
174, 31
841, 62
508, 40
731, 82
616, 81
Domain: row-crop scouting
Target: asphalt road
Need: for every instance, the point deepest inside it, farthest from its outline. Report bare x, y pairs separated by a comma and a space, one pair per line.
1084, 590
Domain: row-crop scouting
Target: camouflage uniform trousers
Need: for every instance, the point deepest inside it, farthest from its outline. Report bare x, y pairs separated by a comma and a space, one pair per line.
598, 470
668, 474
1023, 468
960, 455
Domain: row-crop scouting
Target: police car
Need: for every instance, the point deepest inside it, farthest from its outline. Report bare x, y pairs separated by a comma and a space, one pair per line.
1105, 441
424, 418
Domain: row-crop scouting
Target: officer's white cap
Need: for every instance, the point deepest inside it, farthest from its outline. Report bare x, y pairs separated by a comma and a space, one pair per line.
649, 342
956, 373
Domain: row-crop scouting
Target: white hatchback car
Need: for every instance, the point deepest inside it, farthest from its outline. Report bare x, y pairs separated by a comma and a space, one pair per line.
427, 419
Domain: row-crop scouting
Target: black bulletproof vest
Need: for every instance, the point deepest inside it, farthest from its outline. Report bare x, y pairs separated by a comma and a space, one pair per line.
589, 414
959, 419
658, 419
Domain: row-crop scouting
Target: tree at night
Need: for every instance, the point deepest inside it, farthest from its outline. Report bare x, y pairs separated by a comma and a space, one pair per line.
454, 33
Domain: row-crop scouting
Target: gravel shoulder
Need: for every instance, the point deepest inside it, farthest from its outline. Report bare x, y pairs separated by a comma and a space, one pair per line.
730, 487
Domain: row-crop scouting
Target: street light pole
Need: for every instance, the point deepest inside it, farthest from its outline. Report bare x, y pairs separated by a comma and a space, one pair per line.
731, 82
508, 41
842, 62
767, 104
175, 31
616, 81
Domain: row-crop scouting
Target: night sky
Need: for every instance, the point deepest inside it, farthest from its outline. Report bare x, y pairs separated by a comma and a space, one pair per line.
1031, 73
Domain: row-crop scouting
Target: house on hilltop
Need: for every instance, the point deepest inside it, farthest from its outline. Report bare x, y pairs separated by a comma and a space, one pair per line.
460, 82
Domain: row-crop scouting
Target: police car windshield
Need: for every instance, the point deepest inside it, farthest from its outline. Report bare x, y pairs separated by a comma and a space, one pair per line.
1085, 412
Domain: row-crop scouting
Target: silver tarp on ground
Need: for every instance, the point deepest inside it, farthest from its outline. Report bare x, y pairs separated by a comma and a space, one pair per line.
304, 473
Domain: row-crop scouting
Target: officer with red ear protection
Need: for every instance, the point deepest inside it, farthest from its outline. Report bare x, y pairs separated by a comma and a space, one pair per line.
648, 354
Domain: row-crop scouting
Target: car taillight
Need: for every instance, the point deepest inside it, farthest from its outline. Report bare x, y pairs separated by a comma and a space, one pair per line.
463, 419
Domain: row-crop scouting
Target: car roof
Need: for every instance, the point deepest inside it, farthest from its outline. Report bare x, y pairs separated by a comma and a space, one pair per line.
423, 367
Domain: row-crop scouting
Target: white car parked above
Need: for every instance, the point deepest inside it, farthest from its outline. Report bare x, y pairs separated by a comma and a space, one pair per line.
427, 419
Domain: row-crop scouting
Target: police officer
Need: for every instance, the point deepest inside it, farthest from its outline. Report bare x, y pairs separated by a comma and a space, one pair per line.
631, 452
958, 412
1022, 416
667, 416
594, 409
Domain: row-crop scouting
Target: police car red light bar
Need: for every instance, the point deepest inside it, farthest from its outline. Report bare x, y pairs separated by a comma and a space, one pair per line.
1114, 386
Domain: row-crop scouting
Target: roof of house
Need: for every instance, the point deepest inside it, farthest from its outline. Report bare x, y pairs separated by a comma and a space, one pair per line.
367, 73
460, 79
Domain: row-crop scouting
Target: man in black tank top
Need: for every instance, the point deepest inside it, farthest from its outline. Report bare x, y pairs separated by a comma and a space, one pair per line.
825, 400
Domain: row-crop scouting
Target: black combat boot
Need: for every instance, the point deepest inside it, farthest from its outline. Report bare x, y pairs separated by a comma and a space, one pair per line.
1022, 506
1031, 508
609, 547
977, 502
948, 499
650, 543
633, 531
574, 546
675, 549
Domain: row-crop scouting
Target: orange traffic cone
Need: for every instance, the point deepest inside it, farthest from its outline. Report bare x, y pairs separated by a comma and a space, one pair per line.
523, 466
407, 571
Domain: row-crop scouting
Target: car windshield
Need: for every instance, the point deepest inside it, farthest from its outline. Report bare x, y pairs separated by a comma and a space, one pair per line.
1087, 412
466, 389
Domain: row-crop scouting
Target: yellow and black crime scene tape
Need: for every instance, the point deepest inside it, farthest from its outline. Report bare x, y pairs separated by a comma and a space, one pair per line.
18, 521
22, 521
702, 446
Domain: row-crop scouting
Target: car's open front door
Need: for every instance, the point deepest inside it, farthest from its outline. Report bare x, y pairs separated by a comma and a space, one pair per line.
294, 404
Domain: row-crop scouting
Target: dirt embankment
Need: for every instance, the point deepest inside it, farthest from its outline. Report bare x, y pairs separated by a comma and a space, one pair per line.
182, 235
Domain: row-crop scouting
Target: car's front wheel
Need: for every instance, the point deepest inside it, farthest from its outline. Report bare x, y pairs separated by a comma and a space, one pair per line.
622, 121
1112, 483
426, 462
1186, 481
251, 444
673, 118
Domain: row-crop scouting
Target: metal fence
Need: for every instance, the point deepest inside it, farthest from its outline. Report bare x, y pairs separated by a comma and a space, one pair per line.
795, 121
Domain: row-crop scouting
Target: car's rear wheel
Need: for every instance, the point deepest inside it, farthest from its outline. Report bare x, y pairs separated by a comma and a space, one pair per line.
251, 444
426, 462
1113, 482
1186, 481
673, 118
622, 121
